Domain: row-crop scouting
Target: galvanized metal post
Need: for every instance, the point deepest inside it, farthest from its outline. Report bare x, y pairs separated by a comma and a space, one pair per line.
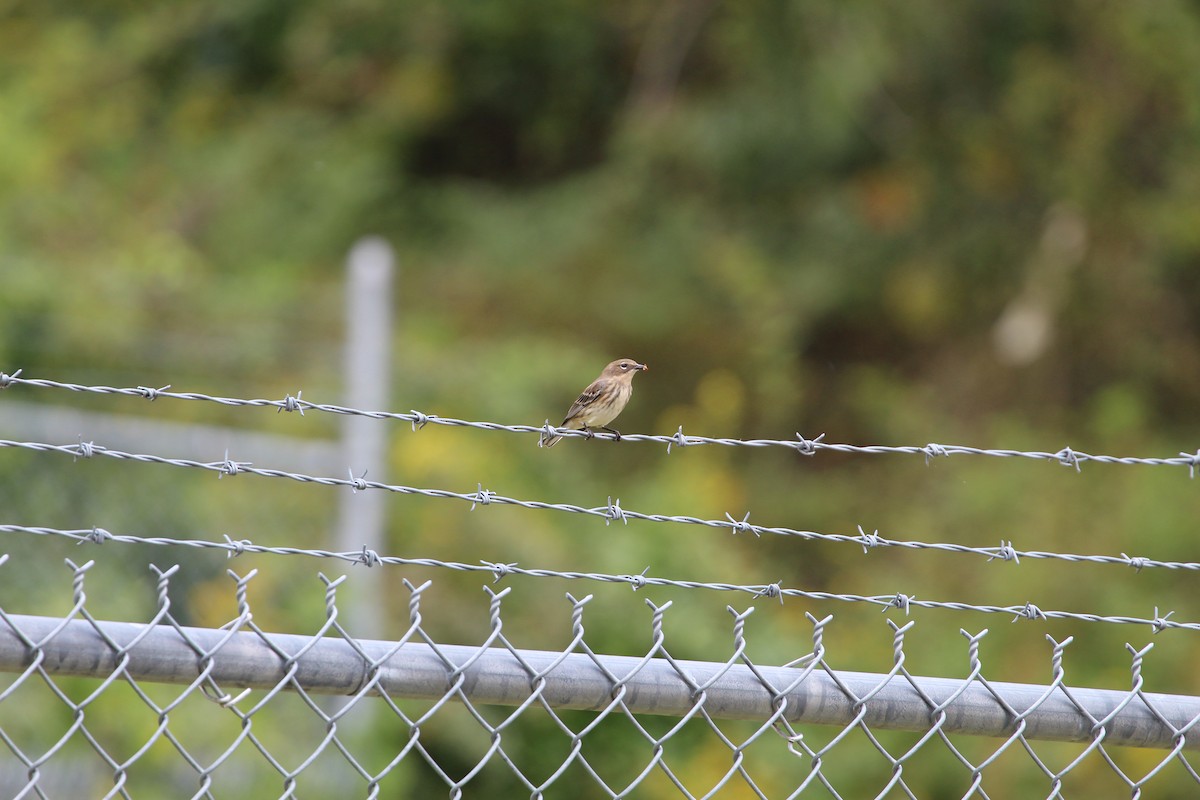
362, 515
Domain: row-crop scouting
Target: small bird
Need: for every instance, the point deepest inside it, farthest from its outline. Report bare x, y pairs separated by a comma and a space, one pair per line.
601, 401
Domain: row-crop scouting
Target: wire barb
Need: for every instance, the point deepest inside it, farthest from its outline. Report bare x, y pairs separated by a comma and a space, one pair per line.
292, 404
229, 467
86, 449
869, 540
1192, 460
742, 525
614, 512
636, 581
152, 394
96, 536
901, 601
236, 546
499, 570
368, 557
932, 450
1068, 458
482, 496
1161, 621
1005, 552
358, 484
677, 439
1030, 611
808, 447
772, 590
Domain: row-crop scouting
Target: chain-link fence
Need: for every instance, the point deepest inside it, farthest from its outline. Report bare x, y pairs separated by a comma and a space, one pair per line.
103, 694
101, 708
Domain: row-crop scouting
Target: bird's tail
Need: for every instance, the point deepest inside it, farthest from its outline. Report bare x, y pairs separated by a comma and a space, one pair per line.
548, 441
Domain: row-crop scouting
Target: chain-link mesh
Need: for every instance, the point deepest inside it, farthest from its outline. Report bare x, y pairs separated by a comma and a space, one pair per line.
115, 709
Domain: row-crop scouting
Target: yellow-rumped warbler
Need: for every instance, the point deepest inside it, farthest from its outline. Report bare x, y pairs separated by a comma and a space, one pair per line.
601, 401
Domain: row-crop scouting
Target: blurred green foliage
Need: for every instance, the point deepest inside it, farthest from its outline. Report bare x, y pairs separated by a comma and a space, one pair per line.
891, 223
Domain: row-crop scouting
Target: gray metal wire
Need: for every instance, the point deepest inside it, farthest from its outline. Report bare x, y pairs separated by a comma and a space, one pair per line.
612, 511
1065, 456
235, 547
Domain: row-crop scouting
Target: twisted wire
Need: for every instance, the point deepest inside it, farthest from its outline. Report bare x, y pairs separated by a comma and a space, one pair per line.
1065, 456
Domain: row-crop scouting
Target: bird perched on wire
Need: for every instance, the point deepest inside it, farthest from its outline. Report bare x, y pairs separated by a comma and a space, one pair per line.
601, 401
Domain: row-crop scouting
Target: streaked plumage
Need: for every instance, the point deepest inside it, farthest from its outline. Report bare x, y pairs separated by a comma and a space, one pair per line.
601, 401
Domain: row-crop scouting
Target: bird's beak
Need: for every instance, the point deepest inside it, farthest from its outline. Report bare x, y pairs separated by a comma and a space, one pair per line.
644, 367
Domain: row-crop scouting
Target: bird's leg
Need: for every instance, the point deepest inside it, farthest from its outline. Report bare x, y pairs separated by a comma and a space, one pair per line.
588, 432
613, 431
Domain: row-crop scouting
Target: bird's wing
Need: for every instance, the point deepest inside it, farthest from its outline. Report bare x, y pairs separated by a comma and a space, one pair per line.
585, 399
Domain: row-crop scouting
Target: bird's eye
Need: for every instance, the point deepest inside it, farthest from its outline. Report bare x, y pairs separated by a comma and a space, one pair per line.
624, 366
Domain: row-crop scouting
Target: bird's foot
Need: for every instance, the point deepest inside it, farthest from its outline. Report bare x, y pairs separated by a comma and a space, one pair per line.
616, 433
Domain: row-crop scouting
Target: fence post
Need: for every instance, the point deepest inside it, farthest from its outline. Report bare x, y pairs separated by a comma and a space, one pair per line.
361, 517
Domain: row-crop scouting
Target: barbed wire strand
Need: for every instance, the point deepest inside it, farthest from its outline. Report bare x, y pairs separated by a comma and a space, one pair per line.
498, 571
1065, 456
610, 512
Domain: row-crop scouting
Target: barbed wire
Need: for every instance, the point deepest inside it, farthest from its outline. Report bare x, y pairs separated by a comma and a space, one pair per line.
498, 571
1065, 456
697, 692
611, 512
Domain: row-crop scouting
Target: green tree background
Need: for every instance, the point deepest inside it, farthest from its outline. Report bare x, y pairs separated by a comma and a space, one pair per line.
891, 223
